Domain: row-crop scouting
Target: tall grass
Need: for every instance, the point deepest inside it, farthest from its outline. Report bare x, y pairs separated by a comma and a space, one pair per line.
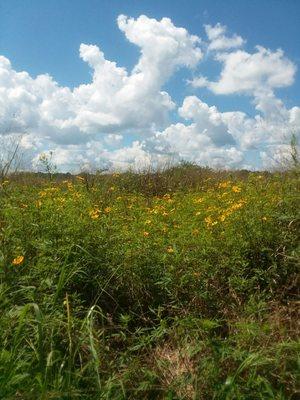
175, 284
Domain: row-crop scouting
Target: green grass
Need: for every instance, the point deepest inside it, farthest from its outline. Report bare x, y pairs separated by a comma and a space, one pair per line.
173, 285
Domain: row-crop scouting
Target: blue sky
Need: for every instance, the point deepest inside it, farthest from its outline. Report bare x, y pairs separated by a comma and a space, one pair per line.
43, 37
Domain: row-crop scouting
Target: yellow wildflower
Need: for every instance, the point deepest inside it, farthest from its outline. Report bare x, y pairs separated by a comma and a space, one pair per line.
236, 206
209, 221
107, 210
236, 189
95, 214
224, 185
18, 260
170, 249
211, 208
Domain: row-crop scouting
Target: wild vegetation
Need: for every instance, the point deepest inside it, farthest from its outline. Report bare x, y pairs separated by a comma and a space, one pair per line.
179, 284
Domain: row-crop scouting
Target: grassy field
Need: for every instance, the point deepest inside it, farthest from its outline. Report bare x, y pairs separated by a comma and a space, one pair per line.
173, 285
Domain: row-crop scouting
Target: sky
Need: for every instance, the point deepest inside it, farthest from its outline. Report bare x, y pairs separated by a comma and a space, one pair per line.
129, 84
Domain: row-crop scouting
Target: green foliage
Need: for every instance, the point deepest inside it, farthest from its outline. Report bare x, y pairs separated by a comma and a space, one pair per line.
178, 284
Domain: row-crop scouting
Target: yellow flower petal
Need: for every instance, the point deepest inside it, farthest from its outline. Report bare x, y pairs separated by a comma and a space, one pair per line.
18, 260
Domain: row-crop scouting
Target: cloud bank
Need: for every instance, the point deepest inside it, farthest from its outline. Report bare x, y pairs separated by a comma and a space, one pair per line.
92, 124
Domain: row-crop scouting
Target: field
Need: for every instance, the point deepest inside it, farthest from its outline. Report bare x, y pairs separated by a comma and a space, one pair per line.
178, 284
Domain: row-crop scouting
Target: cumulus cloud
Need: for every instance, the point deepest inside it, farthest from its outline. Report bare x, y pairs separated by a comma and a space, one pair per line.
250, 73
206, 140
115, 99
187, 142
92, 125
163, 46
218, 40
276, 157
257, 75
222, 139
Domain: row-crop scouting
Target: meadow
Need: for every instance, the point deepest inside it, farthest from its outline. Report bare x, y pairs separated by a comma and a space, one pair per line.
179, 284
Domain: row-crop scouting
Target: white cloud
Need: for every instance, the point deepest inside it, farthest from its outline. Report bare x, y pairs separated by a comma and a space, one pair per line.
208, 120
223, 139
277, 157
186, 142
218, 39
252, 74
87, 126
113, 139
206, 140
115, 100
256, 74
163, 46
